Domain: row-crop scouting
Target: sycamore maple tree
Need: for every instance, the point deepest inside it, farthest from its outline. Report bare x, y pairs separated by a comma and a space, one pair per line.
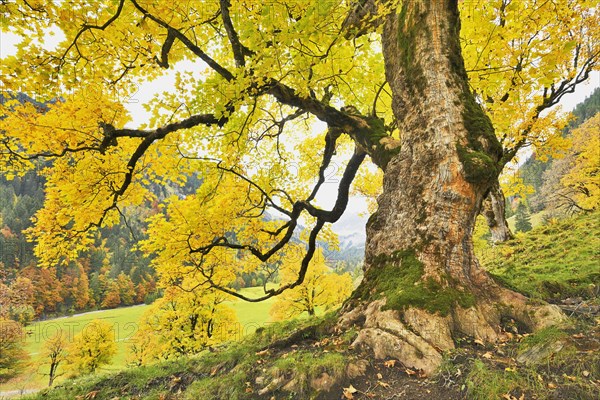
181, 324
55, 354
386, 79
91, 349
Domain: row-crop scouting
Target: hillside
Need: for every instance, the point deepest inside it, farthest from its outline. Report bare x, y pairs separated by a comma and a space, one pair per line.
309, 359
125, 322
553, 261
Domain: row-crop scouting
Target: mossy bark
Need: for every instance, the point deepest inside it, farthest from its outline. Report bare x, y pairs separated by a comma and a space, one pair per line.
423, 285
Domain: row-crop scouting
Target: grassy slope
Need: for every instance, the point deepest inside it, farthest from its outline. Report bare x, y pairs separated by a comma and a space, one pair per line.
552, 261
212, 375
561, 258
252, 315
125, 322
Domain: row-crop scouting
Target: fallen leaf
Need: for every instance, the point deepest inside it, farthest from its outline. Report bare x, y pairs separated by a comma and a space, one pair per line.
350, 389
586, 373
551, 385
409, 371
349, 392
479, 342
262, 353
91, 395
579, 335
390, 363
385, 385
488, 355
379, 376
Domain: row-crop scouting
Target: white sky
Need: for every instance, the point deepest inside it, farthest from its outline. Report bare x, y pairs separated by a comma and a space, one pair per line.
354, 220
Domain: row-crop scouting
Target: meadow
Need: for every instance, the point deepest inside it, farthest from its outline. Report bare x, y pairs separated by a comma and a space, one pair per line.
125, 323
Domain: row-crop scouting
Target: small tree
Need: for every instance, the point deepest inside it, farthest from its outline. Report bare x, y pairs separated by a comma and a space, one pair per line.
183, 323
143, 347
112, 296
55, 351
126, 289
93, 347
523, 223
12, 355
321, 288
582, 180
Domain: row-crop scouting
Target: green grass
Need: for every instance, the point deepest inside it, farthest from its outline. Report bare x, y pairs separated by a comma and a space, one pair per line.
251, 316
484, 383
570, 369
551, 262
210, 375
124, 320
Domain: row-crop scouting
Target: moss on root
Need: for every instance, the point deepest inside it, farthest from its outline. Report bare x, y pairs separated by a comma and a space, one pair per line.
399, 278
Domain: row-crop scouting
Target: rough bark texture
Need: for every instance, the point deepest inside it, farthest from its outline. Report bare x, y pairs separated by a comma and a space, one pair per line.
494, 211
423, 285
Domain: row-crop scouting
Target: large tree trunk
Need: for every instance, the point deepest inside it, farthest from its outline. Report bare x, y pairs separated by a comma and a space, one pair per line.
422, 284
494, 211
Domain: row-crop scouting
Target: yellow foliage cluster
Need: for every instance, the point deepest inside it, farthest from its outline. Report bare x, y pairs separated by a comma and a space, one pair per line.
321, 290
182, 323
517, 53
583, 177
93, 347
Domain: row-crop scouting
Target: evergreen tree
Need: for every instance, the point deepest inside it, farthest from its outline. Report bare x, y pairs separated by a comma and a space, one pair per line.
523, 219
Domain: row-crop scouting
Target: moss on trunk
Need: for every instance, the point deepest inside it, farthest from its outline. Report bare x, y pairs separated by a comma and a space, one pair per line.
408, 31
399, 278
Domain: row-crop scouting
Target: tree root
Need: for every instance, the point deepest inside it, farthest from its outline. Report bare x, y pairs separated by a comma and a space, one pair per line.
418, 338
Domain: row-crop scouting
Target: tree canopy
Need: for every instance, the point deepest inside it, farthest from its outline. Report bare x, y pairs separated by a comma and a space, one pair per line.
245, 113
